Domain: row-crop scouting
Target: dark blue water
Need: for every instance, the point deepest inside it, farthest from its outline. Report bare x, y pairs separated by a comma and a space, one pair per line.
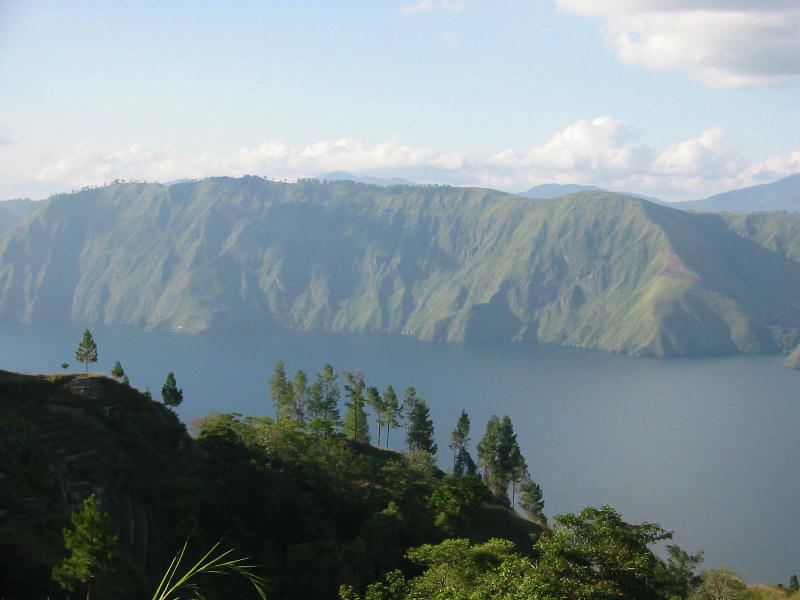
709, 448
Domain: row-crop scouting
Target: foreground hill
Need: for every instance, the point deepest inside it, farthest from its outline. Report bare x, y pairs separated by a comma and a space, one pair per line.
781, 195
313, 511
594, 269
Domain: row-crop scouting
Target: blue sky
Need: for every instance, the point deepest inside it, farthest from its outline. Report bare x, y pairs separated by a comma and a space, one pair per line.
674, 99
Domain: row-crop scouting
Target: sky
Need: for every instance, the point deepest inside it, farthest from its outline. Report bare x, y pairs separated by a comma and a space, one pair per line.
677, 99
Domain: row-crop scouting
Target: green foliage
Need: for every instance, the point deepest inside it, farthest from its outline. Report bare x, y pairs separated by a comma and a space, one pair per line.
419, 436
213, 562
355, 420
532, 500
93, 549
393, 409
64, 366
681, 567
794, 585
87, 350
282, 393
720, 583
500, 456
117, 371
300, 396
170, 393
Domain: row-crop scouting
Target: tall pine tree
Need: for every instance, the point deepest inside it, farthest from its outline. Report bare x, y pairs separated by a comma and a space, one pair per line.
420, 426
355, 420
459, 438
282, 393
394, 410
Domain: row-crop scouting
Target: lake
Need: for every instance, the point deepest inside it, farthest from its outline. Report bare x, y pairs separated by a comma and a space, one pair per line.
706, 447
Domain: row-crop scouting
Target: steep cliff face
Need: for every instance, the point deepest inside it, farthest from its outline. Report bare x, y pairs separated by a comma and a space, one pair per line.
63, 437
593, 269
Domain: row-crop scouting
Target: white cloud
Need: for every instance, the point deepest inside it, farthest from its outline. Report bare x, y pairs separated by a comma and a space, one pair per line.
425, 6
601, 151
722, 43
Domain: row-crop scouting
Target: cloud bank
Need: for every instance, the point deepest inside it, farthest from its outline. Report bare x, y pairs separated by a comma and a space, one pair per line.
722, 43
601, 151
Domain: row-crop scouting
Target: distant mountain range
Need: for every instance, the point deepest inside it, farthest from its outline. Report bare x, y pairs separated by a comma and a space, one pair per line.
381, 181
593, 269
781, 195
548, 191
778, 196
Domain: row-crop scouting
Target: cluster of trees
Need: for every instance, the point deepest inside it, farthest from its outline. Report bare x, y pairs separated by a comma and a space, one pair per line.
315, 407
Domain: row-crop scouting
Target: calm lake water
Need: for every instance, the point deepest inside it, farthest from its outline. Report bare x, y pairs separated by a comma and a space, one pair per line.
707, 447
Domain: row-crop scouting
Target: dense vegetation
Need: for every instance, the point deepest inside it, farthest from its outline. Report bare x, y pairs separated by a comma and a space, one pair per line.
592, 269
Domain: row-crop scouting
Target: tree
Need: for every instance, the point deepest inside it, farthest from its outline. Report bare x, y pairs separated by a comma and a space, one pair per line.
500, 456
282, 393
393, 410
170, 393
93, 550
87, 350
459, 437
680, 568
531, 500
64, 366
420, 426
720, 583
355, 420
597, 555
464, 464
117, 371
125, 380
376, 402
794, 585
300, 393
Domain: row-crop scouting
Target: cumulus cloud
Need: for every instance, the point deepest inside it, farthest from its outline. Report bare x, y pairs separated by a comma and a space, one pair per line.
426, 6
722, 43
601, 151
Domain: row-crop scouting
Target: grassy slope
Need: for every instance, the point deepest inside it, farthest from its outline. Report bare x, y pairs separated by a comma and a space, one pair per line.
594, 269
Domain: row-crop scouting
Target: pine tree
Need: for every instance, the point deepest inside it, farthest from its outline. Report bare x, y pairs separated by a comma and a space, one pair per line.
487, 448
330, 395
87, 350
93, 550
170, 393
393, 410
464, 464
420, 425
282, 393
355, 420
531, 500
376, 403
300, 393
459, 438
117, 371
125, 380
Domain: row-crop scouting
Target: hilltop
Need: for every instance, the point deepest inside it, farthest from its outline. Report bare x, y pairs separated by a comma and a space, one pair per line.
593, 269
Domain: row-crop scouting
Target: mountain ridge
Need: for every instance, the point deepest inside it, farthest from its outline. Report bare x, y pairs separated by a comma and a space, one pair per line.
593, 269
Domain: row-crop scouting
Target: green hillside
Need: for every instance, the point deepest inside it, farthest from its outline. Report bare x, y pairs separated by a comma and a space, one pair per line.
313, 510
593, 269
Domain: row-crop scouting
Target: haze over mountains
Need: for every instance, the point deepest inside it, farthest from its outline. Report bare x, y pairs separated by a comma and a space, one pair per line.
593, 269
